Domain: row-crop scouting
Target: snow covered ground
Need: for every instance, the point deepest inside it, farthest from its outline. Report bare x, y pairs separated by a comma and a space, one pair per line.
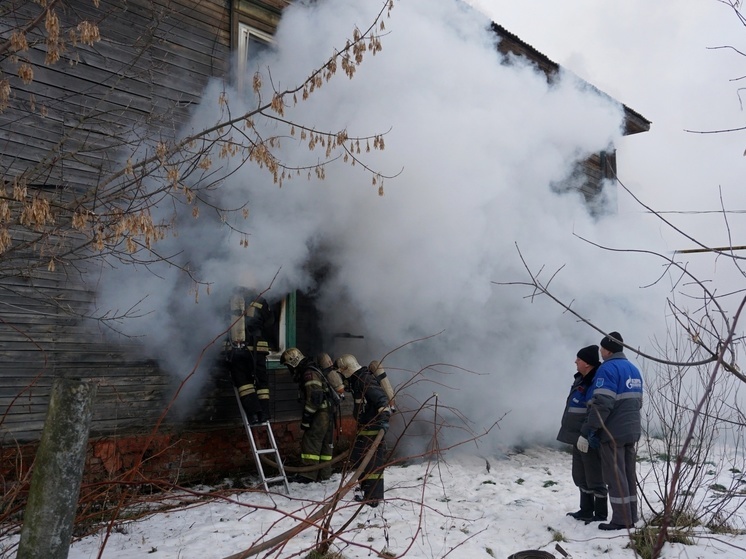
470, 510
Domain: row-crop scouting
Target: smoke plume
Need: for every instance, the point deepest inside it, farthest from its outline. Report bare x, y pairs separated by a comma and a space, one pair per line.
476, 143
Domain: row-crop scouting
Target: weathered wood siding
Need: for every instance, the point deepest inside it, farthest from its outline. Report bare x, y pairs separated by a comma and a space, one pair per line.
263, 15
151, 64
150, 67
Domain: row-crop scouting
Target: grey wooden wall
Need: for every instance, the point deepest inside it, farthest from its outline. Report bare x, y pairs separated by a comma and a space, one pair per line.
65, 130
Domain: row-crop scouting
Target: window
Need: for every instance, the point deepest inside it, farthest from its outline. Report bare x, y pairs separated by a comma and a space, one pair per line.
283, 335
249, 45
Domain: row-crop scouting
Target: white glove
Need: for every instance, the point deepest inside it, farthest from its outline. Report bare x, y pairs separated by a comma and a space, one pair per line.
582, 444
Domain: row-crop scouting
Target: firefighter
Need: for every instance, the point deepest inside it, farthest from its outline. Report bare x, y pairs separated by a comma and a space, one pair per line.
372, 413
332, 375
337, 388
317, 422
247, 353
380, 373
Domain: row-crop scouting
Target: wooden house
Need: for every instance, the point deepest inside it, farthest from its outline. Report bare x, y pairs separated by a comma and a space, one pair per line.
62, 130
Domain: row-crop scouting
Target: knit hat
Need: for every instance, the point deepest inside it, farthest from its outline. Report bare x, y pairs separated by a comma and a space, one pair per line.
589, 355
612, 345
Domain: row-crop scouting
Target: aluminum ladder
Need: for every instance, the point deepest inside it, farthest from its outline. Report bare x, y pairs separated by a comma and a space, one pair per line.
258, 452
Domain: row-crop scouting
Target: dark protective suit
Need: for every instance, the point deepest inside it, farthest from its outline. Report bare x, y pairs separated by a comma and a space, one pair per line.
372, 412
587, 472
317, 421
335, 384
614, 416
247, 354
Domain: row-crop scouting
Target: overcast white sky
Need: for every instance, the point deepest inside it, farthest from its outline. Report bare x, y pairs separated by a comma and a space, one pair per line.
659, 59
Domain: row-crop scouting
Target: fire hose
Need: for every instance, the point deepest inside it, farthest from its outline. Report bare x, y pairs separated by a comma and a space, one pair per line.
302, 469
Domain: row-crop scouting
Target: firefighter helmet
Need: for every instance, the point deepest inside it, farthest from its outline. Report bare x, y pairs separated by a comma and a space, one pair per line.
324, 360
291, 357
346, 365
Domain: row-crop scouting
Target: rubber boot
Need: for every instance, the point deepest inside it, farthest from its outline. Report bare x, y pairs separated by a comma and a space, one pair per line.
586, 507
264, 413
251, 407
600, 509
372, 490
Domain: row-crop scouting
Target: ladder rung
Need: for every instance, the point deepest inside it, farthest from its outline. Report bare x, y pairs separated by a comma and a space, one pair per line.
266, 451
273, 479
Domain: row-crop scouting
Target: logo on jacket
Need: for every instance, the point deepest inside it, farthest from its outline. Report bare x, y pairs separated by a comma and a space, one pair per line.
634, 384
599, 382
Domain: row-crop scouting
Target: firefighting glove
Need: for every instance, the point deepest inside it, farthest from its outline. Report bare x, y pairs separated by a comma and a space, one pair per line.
593, 440
582, 444
383, 422
305, 422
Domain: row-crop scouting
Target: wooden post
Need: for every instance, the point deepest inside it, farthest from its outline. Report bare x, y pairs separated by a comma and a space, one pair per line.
57, 472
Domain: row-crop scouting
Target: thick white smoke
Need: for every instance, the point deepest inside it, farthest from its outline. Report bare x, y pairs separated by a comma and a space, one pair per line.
478, 143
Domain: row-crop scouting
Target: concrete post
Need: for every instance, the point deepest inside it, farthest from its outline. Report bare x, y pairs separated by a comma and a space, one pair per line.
57, 472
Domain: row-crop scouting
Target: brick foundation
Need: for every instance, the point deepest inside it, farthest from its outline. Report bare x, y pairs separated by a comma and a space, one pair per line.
183, 458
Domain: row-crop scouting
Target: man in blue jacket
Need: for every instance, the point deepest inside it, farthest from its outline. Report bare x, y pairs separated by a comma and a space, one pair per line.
614, 418
587, 473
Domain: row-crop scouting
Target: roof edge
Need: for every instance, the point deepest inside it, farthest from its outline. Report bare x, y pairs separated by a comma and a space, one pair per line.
634, 122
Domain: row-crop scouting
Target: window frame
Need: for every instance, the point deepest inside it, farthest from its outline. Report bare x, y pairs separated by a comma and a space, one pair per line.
244, 33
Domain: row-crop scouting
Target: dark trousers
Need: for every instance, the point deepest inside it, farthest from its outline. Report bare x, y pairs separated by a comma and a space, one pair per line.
316, 445
262, 383
620, 475
587, 472
248, 370
371, 480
